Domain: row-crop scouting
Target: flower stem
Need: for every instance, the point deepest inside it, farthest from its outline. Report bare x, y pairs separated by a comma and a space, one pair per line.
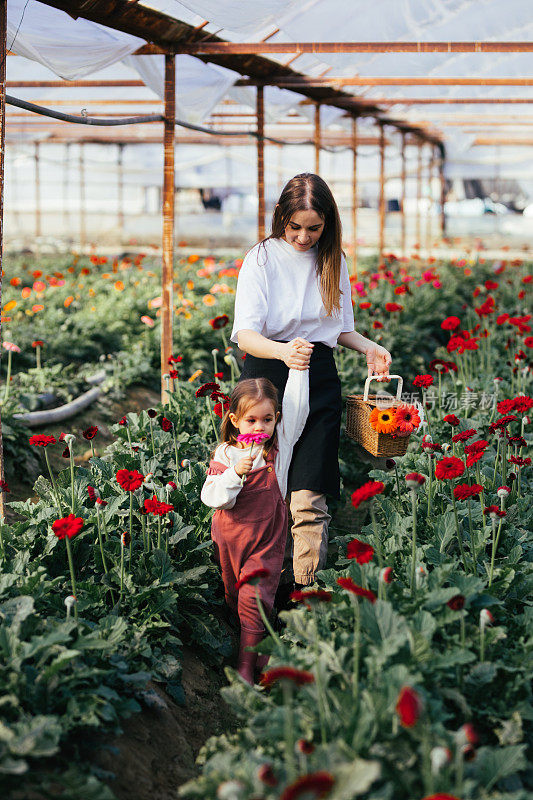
459, 538
131, 536
478, 476
72, 576
158, 532
289, 730
71, 459
357, 636
211, 416
152, 435
472, 539
52, 480
376, 534
266, 623
413, 545
320, 688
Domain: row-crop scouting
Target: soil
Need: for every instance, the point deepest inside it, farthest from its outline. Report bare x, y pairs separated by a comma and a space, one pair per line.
157, 751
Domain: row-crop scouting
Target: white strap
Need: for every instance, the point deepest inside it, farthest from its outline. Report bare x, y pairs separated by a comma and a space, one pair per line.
374, 377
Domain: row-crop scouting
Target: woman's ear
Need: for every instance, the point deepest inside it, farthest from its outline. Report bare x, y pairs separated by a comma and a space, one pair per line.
233, 420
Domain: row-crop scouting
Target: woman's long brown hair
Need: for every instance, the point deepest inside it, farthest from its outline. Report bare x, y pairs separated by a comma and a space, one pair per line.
247, 393
308, 192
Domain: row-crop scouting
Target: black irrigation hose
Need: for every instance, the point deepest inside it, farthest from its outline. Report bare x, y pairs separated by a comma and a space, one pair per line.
84, 120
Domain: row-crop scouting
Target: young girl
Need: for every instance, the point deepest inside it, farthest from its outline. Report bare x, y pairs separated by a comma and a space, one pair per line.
249, 527
295, 285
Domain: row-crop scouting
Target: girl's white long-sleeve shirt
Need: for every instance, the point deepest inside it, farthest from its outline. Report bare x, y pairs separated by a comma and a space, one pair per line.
220, 491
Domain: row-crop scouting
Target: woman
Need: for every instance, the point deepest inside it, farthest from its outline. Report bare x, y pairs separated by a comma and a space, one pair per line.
292, 307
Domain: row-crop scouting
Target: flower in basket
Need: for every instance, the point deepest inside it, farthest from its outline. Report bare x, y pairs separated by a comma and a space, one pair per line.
383, 420
407, 419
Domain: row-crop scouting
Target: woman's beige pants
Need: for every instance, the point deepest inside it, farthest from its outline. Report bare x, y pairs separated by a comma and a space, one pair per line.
310, 520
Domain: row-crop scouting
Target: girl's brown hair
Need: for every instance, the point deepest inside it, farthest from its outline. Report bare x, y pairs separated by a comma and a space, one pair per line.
308, 192
247, 393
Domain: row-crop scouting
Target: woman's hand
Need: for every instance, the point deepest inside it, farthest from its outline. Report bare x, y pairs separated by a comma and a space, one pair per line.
378, 360
244, 466
297, 353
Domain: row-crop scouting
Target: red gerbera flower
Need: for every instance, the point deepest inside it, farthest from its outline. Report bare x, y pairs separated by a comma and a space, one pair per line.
393, 307
423, 381
154, 506
90, 433
452, 420
505, 406
522, 404
129, 480
350, 586
476, 447
501, 423
305, 746
407, 419
175, 360
449, 468
252, 577
519, 461
297, 676
207, 388
266, 775
495, 511
361, 551
166, 424
414, 480
319, 783
441, 796
366, 492
457, 602
408, 707
219, 322
307, 597
220, 409
463, 491
91, 492
41, 440
464, 436
450, 323
67, 526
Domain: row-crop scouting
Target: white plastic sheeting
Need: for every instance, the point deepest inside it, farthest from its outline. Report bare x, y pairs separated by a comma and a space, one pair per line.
77, 48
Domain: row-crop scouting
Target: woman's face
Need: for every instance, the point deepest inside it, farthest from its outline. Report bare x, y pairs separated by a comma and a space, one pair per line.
304, 230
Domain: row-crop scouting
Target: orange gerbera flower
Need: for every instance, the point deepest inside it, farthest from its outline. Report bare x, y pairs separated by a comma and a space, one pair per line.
209, 300
383, 420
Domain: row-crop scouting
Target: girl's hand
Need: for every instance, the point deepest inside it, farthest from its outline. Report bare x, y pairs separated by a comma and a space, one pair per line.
378, 360
244, 466
297, 353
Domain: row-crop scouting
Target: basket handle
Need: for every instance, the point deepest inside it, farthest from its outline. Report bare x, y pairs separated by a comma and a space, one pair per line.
374, 377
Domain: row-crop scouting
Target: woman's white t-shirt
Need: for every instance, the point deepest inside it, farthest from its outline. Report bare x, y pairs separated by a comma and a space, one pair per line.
278, 295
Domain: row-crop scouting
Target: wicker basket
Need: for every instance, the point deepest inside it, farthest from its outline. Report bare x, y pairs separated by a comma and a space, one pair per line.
358, 427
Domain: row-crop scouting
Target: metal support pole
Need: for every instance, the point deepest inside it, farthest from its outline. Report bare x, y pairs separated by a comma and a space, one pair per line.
404, 190
418, 193
37, 191
3, 58
66, 168
81, 170
260, 112
354, 196
168, 219
381, 245
430, 203
120, 199
442, 196
317, 139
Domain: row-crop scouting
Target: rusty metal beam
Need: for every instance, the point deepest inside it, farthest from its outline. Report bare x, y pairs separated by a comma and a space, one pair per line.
317, 139
354, 196
70, 84
362, 80
168, 219
37, 173
404, 192
255, 48
381, 192
260, 111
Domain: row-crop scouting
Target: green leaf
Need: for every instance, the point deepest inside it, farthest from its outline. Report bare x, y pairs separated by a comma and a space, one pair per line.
491, 764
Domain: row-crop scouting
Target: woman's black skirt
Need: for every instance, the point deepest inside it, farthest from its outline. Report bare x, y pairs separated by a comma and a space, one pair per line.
315, 459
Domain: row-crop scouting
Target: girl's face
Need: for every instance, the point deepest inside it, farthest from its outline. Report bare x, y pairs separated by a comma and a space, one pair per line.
304, 230
258, 418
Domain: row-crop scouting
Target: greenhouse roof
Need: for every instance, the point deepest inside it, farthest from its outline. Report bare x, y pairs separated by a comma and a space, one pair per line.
465, 77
